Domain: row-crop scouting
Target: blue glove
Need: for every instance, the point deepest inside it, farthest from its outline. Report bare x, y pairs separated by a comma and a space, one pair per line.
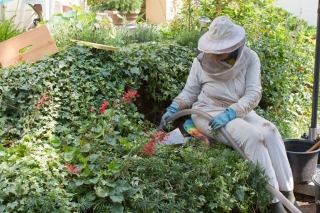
173, 108
223, 118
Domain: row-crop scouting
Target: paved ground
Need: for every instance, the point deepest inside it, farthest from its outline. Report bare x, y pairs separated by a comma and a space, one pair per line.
306, 203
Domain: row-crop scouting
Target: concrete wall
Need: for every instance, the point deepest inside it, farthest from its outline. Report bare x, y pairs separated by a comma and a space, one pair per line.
305, 9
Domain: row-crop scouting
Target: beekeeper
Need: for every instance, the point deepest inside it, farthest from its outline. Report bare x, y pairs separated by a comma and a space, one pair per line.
225, 82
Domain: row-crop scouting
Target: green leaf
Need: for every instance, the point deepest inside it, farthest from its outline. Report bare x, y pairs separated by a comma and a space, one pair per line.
93, 157
9, 190
240, 194
13, 204
116, 208
79, 182
86, 148
117, 198
213, 205
56, 142
135, 70
122, 186
102, 192
110, 183
68, 156
113, 167
94, 180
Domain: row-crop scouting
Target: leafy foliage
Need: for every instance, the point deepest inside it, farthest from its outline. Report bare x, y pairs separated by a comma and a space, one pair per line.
70, 141
8, 29
119, 5
65, 126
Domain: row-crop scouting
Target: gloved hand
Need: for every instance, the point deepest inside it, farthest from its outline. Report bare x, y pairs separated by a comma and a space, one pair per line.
223, 118
173, 108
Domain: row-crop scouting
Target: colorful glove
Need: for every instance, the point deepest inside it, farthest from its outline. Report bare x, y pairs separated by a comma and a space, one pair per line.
223, 118
173, 108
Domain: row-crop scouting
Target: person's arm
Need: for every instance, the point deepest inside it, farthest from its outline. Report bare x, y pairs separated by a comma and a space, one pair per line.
252, 95
192, 88
187, 96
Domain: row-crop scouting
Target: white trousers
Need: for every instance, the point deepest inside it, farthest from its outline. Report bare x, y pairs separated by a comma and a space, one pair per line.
260, 140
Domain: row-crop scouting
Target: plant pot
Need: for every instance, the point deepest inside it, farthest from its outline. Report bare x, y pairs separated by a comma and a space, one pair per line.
316, 181
303, 164
116, 17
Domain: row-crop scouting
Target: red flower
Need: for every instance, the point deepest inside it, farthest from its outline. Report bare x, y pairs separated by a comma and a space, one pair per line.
103, 107
313, 39
150, 148
293, 37
130, 96
91, 110
72, 169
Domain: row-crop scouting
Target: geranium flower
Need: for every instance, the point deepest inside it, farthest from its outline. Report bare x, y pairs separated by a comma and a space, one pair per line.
103, 107
130, 96
72, 169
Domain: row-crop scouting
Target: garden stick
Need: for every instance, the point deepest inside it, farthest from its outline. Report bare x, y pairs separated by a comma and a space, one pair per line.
317, 145
95, 45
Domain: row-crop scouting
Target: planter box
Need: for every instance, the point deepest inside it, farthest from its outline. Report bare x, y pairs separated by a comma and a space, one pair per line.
114, 15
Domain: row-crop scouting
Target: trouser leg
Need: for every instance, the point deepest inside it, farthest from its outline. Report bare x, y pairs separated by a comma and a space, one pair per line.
276, 150
249, 138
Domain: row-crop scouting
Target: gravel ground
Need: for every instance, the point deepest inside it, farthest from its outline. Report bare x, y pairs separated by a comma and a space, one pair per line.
306, 203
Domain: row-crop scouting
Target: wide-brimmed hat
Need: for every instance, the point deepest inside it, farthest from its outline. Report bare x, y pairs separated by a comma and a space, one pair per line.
223, 37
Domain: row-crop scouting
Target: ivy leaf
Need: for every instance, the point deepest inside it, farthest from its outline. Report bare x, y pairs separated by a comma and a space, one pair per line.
13, 204
135, 70
117, 198
94, 180
25, 87
122, 186
110, 183
104, 72
10, 189
113, 167
68, 156
79, 182
56, 142
86, 148
102, 192
213, 205
116, 208
93, 157
240, 194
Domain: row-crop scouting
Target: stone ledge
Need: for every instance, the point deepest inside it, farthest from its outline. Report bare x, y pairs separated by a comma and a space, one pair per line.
305, 188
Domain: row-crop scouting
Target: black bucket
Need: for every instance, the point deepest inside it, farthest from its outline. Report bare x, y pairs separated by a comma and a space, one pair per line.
316, 181
303, 164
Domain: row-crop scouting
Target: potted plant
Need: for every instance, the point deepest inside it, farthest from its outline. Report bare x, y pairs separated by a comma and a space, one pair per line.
119, 10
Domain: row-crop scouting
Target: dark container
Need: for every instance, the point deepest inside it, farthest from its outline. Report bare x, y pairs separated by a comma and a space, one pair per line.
316, 181
303, 164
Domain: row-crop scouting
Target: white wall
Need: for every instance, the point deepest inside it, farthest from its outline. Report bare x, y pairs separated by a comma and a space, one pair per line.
305, 9
12, 9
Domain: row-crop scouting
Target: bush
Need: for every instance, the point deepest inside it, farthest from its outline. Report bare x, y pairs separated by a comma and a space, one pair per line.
8, 29
70, 123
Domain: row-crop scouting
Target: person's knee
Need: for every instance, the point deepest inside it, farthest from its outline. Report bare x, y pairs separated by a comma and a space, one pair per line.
245, 133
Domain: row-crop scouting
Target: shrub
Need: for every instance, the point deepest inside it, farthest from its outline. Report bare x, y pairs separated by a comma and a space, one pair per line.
68, 124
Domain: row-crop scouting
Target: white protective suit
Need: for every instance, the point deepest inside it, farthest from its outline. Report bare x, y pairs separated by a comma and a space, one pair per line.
213, 91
